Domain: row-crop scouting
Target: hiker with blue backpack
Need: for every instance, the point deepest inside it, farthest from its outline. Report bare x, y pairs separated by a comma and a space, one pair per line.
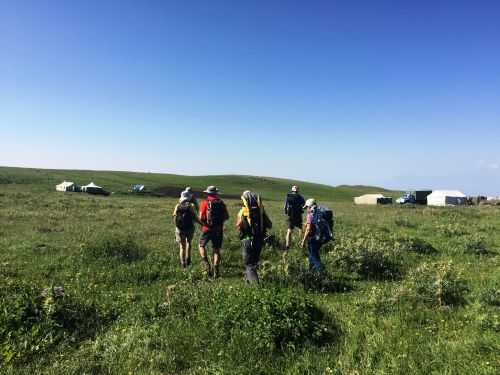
318, 231
253, 224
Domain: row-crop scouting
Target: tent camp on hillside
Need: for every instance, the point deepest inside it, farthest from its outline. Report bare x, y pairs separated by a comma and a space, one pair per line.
67, 186
372, 199
446, 198
94, 189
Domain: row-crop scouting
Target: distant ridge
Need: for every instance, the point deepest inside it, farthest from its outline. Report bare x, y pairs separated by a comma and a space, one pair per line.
231, 186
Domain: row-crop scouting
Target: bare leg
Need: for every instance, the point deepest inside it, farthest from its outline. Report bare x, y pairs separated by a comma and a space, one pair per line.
182, 253
203, 252
216, 262
188, 253
204, 261
288, 238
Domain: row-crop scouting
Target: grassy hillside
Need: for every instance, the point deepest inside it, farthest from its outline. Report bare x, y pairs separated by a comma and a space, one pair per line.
232, 185
407, 291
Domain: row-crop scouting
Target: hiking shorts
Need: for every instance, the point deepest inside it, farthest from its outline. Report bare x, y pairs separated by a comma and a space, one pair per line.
182, 236
216, 236
294, 222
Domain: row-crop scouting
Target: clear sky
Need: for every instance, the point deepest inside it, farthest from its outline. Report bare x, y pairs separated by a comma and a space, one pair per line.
403, 94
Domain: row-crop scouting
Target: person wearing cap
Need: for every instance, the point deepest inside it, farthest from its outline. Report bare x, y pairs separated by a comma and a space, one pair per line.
253, 222
313, 244
213, 214
184, 217
188, 193
294, 203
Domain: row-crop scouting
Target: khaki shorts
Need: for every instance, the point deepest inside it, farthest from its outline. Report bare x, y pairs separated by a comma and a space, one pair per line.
183, 236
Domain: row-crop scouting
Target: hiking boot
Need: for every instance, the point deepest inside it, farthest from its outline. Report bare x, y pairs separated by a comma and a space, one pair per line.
205, 265
216, 272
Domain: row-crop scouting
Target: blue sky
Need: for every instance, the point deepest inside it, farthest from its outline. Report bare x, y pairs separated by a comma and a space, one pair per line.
391, 93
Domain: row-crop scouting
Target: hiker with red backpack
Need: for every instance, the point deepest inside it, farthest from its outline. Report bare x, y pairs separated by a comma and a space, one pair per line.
213, 214
294, 203
253, 223
319, 231
185, 217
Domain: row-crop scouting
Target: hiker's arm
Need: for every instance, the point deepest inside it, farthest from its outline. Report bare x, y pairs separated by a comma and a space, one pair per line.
196, 218
306, 234
238, 222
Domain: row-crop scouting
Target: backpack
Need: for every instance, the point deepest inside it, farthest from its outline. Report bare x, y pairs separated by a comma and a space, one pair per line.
184, 217
323, 224
294, 205
216, 213
255, 221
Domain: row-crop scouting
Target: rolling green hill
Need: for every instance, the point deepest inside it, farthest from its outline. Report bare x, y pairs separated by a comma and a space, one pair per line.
230, 185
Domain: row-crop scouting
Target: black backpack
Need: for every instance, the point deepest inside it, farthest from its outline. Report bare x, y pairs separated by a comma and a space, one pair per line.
294, 205
256, 225
216, 213
184, 217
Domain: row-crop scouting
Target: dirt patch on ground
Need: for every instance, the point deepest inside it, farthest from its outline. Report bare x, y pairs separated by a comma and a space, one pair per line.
175, 192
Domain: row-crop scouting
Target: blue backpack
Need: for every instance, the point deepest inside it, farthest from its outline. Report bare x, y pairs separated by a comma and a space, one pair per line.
323, 224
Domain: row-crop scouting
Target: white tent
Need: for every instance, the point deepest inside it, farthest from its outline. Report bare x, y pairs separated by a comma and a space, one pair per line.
91, 187
372, 199
446, 198
66, 186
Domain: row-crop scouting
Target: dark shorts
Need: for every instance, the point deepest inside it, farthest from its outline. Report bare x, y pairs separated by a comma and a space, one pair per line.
294, 222
215, 236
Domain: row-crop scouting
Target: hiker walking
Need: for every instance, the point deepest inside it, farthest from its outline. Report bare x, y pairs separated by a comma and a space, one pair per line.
184, 217
294, 203
188, 193
319, 230
252, 222
213, 214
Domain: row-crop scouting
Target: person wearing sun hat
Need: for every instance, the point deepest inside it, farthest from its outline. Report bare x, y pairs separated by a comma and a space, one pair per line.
185, 216
213, 214
189, 195
313, 244
294, 202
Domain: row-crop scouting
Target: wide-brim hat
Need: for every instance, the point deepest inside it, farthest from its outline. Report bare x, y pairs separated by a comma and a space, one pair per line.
211, 190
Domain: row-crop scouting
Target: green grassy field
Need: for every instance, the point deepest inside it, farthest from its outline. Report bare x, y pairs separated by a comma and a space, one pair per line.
408, 290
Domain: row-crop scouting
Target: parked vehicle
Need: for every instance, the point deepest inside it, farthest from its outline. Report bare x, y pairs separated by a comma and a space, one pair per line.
408, 198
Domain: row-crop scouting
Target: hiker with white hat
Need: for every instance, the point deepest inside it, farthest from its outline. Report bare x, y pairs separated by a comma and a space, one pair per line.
188, 193
294, 203
184, 217
310, 235
213, 214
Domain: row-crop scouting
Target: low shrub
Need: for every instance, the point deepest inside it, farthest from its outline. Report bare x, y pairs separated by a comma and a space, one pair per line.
489, 321
451, 229
416, 245
382, 301
404, 222
267, 319
33, 321
474, 244
123, 248
367, 257
491, 296
436, 284
293, 271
